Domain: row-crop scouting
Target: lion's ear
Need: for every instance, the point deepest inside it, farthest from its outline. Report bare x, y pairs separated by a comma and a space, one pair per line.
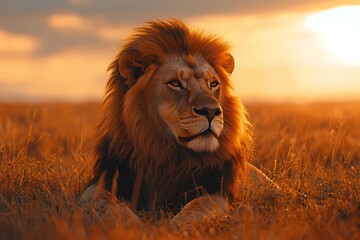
131, 66
229, 64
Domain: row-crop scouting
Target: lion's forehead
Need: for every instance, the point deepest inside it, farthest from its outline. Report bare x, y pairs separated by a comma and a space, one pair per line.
196, 68
186, 74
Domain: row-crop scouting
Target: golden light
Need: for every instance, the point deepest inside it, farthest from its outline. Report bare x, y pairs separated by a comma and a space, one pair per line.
339, 30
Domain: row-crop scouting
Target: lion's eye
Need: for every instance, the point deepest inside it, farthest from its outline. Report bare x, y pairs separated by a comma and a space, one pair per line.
175, 84
214, 84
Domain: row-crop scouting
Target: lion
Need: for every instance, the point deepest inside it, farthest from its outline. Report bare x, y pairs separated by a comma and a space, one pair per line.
173, 136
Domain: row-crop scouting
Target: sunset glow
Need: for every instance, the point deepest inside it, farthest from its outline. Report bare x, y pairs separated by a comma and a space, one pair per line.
298, 54
339, 30
278, 58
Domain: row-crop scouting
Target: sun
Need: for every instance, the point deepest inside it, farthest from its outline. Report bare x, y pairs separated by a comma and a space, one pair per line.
339, 30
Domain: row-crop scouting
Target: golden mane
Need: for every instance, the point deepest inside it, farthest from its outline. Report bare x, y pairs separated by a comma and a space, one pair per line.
132, 140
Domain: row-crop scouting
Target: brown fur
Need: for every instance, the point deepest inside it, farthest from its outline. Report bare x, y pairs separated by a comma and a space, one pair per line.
134, 144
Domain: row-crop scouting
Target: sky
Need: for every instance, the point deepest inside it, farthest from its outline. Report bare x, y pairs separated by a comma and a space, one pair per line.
284, 50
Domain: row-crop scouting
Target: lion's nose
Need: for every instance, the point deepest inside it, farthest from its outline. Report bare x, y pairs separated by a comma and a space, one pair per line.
209, 113
206, 105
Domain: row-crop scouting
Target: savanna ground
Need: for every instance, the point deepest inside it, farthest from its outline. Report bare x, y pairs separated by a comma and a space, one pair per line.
46, 155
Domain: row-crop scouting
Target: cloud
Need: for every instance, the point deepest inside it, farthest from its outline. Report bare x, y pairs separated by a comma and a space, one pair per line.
75, 74
68, 21
112, 33
136, 11
95, 26
62, 25
81, 2
16, 43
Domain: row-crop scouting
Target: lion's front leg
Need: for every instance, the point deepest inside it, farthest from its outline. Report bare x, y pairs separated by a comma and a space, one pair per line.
107, 205
256, 178
205, 208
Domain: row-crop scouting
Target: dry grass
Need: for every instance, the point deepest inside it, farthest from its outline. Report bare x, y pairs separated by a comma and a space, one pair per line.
46, 152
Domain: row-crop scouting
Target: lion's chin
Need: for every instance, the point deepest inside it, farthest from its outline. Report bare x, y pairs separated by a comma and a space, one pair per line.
202, 143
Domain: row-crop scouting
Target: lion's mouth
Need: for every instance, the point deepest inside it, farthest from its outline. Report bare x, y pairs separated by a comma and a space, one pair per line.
202, 134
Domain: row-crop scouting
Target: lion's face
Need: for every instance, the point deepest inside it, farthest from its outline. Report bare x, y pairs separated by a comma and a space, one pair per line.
188, 100
177, 83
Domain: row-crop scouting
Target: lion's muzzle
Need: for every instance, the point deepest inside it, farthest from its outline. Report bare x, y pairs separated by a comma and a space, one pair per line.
206, 124
209, 113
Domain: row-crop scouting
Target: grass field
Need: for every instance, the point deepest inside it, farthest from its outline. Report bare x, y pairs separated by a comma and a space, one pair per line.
46, 155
